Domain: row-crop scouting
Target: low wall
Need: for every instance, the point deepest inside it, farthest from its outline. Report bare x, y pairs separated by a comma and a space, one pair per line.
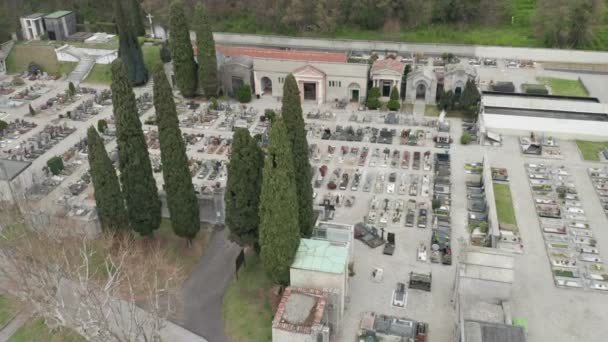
501, 52
68, 53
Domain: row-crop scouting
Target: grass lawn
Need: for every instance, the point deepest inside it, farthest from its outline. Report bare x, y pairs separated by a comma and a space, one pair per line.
591, 149
102, 74
504, 204
564, 87
35, 330
44, 55
247, 308
9, 306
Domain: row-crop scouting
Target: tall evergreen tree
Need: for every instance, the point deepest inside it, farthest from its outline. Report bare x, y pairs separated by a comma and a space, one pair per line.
469, 100
294, 121
138, 184
181, 199
181, 51
207, 61
279, 230
129, 49
243, 188
136, 18
393, 102
108, 198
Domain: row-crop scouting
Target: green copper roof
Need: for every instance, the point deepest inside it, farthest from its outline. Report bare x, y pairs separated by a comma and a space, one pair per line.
57, 14
321, 256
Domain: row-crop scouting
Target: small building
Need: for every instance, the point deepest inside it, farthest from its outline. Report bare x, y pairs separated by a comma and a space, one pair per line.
60, 25
319, 264
456, 77
13, 179
386, 74
421, 84
560, 117
32, 26
304, 315
236, 72
321, 76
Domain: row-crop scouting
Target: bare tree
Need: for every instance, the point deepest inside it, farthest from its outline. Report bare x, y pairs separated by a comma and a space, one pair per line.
93, 286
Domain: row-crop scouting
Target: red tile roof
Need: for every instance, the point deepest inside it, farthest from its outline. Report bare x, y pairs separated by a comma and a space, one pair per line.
389, 64
296, 55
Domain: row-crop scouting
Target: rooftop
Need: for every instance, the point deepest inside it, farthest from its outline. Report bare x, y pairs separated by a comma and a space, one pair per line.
297, 55
388, 64
320, 256
56, 15
9, 169
299, 310
477, 331
486, 264
34, 16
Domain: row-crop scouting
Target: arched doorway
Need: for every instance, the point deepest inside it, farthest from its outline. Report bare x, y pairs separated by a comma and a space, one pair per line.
458, 91
421, 91
354, 92
266, 86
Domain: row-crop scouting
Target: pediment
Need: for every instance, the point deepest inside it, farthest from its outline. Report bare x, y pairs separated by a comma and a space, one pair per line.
308, 71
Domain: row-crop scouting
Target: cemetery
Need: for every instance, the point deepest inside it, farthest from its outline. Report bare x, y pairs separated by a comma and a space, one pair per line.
572, 249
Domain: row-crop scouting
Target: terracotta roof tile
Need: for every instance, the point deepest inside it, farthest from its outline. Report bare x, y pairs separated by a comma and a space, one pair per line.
297, 55
388, 64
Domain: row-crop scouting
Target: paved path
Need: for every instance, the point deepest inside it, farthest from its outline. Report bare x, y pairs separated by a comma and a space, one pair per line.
203, 293
15, 324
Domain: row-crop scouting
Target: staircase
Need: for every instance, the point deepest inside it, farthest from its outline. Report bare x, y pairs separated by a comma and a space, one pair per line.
84, 67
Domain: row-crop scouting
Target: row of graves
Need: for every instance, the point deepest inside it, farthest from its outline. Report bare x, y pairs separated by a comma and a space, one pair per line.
441, 250
477, 206
599, 179
14, 130
571, 247
368, 134
39, 144
543, 146
72, 159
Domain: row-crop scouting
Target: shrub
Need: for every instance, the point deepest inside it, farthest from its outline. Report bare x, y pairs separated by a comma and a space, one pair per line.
102, 125
244, 94
3, 125
465, 139
55, 165
213, 105
165, 54
270, 114
373, 98
32, 111
393, 103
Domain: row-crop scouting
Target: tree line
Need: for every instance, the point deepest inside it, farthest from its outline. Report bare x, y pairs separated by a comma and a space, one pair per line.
269, 196
556, 23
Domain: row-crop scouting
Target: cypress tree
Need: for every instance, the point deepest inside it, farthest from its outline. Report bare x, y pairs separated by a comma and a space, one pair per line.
279, 230
393, 102
294, 122
207, 62
469, 100
181, 51
129, 49
136, 18
242, 197
108, 198
138, 184
181, 199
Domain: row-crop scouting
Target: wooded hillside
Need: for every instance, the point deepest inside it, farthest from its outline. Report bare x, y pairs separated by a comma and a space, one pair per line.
552, 23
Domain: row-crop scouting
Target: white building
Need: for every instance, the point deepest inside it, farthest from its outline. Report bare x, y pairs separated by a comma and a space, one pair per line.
556, 116
322, 76
421, 84
321, 265
386, 74
32, 26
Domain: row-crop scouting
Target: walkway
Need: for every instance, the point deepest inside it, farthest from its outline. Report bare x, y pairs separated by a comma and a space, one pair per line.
84, 67
15, 324
203, 293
